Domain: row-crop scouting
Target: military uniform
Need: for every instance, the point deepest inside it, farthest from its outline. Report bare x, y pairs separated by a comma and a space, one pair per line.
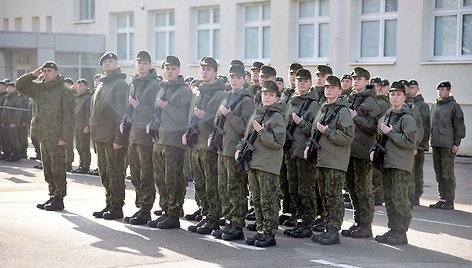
108, 106
24, 127
82, 140
384, 105
53, 117
447, 130
3, 135
11, 121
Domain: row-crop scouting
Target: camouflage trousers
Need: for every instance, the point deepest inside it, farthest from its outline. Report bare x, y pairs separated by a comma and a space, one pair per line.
232, 189
141, 168
331, 182
170, 182
54, 167
263, 186
415, 187
301, 181
13, 145
397, 204
69, 154
37, 147
82, 145
205, 179
287, 205
23, 138
443, 162
377, 183
359, 185
111, 166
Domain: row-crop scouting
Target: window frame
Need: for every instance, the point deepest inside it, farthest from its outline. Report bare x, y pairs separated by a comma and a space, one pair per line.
91, 12
382, 16
459, 13
128, 30
167, 29
212, 26
260, 24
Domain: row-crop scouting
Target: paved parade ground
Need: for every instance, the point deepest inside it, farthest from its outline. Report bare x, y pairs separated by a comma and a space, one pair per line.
30, 237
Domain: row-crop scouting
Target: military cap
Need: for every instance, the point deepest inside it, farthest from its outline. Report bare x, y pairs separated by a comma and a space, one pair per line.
189, 79
346, 76
332, 81
171, 60
385, 82
143, 55
160, 78
397, 86
405, 82
376, 80
294, 67
11, 84
270, 86
323, 69
279, 79
236, 62
108, 55
196, 82
223, 77
359, 71
83, 81
247, 73
445, 84
50, 64
209, 61
257, 65
68, 80
97, 76
237, 70
6, 80
3, 83
267, 70
303, 74
413, 83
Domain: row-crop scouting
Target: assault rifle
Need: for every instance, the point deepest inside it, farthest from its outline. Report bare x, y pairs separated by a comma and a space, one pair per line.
378, 160
130, 110
156, 119
290, 130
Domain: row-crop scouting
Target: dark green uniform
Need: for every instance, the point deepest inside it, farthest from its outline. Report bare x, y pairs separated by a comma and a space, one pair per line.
422, 147
3, 137
54, 122
384, 105
23, 129
11, 122
82, 117
108, 106
287, 204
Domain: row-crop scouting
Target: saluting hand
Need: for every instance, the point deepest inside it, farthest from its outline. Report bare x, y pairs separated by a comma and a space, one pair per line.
38, 71
297, 119
385, 129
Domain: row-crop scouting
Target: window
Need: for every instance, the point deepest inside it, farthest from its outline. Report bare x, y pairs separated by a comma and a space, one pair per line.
257, 32
35, 24
78, 65
313, 29
125, 37
164, 28
452, 29
48, 24
378, 30
85, 10
18, 24
6, 24
208, 33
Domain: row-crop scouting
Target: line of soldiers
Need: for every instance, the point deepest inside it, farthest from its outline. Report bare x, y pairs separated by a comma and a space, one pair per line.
242, 139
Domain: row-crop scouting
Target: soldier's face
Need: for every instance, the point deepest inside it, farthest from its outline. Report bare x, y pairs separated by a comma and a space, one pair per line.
384, 90
268, 98
50, 74
281, 86
109, 65
303, 85
171, 72
321, 79
236, 82
397, 98
81, 87
291, 77
207, 74
414, 90
378, 89
332, 92
143, 67
360, 83
255, 74
11, 89
96, 82
346, 83
264, 78
443, 92
3, 88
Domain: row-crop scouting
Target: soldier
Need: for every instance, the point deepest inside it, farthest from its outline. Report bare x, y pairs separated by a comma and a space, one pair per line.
82, 128
70, 146
24, 126
365, 112
3, 96
203, 110
385, 86
268, 122
254, 85
346, 85
301, 110
235, 110
96, 82
11, 121
399, 127
54, 119
334, 129
423, 145
170, 120
447, 131
108, 106
280, 83
322, 71
143, 89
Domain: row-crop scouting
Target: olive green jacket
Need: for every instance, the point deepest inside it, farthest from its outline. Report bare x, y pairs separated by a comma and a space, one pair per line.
287, 95
425, 114
142, 114
336, 141
236, 121
108, 106
368, 114
208, 98
174, 116
268, 153
54, 107
401, 139
415, 111
319, 95
10, 116
384, 103
82, 110
447, 123
303, 130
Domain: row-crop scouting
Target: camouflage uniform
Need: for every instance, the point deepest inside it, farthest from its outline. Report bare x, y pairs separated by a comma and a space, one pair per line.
54, 117
422, 147
384, 105
82, 140
287, 204
24, 127
11, 116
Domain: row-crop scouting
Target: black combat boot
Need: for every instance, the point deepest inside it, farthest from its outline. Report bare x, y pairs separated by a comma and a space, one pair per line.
222, 221
142, 218
291, 222
348, 232
191, 217
41, 206
302, 232
56, 204
316, 237
265, 241
154, 223
437, 205
251, 240
218, 233
288, 232
383, 238
331, 237
208, 227
378, 200
193, 228
158, 212
99, 214
283, 218
251, 216
320, 227
171, 222
448, 205
38, 166
251, 227
362, 231
235, 233
113, 214
127, 218
397, 238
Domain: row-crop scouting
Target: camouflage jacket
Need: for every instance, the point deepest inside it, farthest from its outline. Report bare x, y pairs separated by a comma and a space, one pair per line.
10, 116
425, 114
447, 123
82, 110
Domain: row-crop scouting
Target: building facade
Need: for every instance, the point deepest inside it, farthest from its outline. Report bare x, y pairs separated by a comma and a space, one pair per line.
426, 40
